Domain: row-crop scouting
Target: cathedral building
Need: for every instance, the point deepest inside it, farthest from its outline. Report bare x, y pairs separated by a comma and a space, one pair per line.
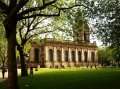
52, 53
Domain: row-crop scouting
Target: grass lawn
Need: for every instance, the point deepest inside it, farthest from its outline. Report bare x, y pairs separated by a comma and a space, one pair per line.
71, 78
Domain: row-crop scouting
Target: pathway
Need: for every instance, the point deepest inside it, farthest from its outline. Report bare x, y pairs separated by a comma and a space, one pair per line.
6, 76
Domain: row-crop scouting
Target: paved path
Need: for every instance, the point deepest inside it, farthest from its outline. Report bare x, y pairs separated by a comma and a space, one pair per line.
6, 76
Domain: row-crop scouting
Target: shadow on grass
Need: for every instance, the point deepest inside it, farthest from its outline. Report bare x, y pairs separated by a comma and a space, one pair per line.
71, 79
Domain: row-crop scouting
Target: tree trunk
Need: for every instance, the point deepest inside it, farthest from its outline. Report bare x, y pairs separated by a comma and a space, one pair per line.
10, 27
23, 63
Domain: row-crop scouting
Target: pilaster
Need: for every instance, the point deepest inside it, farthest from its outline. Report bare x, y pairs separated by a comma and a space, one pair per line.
76, 55
82, 53
54, 54
69, 54
46, 53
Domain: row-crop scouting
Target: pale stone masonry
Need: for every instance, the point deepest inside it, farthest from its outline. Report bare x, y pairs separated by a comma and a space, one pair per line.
52, 53
55, 53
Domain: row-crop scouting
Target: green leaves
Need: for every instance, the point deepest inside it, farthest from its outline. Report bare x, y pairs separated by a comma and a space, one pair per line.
106, 53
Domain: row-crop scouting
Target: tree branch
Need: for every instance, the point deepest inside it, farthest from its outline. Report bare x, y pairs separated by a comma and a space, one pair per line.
37, 23
65, 8
45, 15
43, 2
20, 32
36, 8
3, 6
43, 31
39, 33
1, 54
50, 15
17, 7
30, 24
20, 4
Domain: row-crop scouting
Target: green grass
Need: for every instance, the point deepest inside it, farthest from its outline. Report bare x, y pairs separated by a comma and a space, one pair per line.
74, 78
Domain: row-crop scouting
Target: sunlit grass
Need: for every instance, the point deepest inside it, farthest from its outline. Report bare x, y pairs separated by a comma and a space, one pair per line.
71, 78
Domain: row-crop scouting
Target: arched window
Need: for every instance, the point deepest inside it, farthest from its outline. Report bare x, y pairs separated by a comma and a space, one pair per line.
79, 56
85, 56
92, 56
58, 55
36, 55
50, 55
66, 55
73, 56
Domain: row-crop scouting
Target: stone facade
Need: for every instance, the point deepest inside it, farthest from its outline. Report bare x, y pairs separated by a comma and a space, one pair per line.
57, 53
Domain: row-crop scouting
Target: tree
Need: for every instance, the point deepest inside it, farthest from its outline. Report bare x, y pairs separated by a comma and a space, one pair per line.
29, 29
105, 21
16, 10
3, 47
106, 55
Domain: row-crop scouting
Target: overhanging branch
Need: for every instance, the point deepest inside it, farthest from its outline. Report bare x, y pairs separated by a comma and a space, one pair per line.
36, 8
20, 17
20, 4
17, 7
45, 15
65, 8
42, 32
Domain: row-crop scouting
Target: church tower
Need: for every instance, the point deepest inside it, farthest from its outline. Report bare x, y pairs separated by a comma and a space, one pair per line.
80, 28
82, 35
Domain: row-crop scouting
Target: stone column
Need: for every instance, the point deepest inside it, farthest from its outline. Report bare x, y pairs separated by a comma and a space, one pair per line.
89, 55
32, 54
96, 56
54, 54
46, 53
82, 53
76, 55
69, 54
62, 54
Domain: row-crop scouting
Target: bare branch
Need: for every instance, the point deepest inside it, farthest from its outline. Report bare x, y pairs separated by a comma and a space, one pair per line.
32, 21
39, 21
33, 28
41, 27
39, 33
20, 31
43, 31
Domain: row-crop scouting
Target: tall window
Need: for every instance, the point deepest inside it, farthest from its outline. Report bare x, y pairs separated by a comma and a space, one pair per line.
58, 55
36, 55
50, 55
79, 56
85, 56
66, 55
73, 56
77, 38
85, 36
92, 56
